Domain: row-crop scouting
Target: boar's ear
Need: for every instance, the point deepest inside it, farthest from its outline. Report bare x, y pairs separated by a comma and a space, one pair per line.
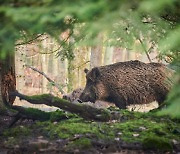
86, 70
95, 72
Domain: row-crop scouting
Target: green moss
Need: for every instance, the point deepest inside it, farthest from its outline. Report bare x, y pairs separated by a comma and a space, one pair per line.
10, 142
157, 143
60, 115
17, 131
45, 116
57, 99
40, 97
145, 128
69, 128
82, 143
104, 115
41, 115
136, 127
45, 97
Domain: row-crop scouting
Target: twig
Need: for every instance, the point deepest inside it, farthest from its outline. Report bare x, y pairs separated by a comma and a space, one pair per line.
147, 54
63, 41
81, 65
50, 80
29, 41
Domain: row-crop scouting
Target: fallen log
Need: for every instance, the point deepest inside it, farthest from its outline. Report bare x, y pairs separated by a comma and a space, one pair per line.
85, 111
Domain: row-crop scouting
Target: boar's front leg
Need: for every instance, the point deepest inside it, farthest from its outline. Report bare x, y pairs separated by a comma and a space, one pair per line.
119, 102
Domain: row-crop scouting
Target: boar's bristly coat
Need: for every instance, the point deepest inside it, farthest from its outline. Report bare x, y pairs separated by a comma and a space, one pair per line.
74, 95
126, 83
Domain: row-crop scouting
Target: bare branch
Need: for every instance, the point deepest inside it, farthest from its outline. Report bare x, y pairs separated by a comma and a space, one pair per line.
63, 41
50, 80
147, 54
29, 41
81, 65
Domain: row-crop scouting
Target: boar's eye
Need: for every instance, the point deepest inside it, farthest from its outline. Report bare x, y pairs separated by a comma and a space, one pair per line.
89, 82
91, 79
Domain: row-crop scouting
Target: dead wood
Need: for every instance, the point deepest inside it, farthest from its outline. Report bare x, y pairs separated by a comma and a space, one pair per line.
85, 111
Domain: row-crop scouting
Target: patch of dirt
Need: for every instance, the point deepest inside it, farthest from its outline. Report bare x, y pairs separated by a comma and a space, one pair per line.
41, 144
5, 122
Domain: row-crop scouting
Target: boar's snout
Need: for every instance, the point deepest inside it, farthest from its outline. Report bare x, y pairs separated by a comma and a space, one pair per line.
87, 97
66, 98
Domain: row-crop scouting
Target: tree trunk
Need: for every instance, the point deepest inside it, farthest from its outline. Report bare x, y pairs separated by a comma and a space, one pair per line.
108, 57
7, 81
96, 56
70, 75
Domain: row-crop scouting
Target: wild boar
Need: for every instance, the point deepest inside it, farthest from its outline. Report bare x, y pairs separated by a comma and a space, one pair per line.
74, 96
126, 83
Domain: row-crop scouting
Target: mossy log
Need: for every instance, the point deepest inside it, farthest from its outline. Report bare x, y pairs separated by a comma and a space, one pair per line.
83, 110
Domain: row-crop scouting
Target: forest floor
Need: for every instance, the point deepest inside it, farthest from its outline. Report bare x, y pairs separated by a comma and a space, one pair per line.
136, 133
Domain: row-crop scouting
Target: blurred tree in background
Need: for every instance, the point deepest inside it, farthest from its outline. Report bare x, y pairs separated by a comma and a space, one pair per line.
123, 22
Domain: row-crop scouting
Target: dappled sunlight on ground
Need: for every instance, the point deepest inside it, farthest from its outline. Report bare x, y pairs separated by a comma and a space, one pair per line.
144, 107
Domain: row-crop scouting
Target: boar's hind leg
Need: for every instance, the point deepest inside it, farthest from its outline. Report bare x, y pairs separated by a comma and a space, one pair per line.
161, 99
121, 105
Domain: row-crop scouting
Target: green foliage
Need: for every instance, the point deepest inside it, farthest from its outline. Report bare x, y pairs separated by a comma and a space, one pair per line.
149, 6
124, 22
168, 44
171, 42
173, 100
66, 52
26, 19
